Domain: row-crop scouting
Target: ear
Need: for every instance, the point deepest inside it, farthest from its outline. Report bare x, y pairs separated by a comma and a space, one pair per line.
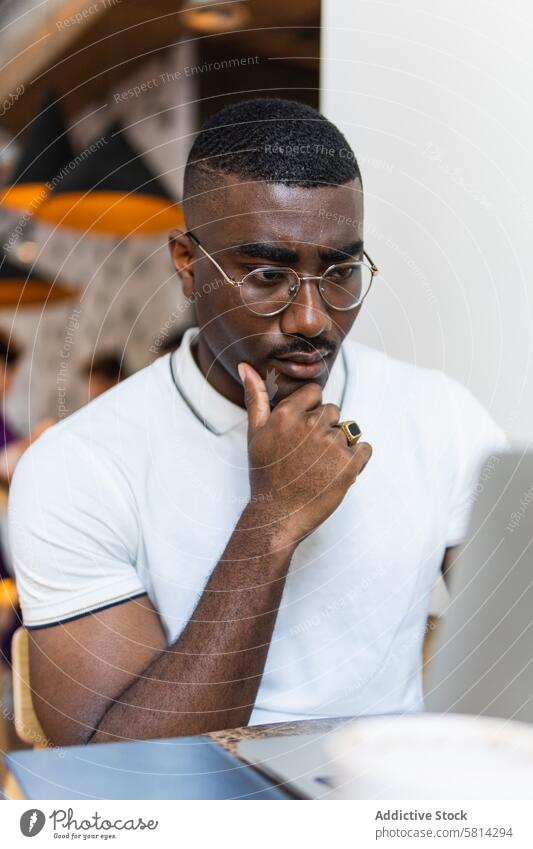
182, 254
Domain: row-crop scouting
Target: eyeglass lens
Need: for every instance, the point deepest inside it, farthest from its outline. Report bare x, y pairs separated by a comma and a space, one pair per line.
268, 290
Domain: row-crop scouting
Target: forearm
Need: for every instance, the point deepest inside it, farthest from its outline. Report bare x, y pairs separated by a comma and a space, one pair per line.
208, 679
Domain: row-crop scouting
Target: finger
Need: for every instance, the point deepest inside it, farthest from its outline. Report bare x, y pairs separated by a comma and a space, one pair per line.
255, 398
361, 454
367, 455
304, 399
327, 414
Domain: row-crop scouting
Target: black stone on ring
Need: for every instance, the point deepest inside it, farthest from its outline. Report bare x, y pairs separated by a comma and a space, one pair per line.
351, 430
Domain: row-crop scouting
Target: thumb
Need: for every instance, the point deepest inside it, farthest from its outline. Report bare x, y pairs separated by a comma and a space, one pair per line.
255, 397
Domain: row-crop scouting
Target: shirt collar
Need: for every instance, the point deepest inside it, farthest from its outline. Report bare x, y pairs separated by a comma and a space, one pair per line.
215, 411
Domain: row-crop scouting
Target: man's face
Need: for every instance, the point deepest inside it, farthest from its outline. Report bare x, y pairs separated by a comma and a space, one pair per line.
248, 225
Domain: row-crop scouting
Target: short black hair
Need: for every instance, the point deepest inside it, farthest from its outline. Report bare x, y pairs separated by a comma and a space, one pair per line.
109, 365
272, 140
10, 352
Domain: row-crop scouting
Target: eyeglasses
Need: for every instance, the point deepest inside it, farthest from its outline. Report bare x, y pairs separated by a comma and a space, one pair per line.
269, 290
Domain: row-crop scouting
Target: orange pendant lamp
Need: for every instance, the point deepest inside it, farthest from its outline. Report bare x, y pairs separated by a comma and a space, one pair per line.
18, 289
47, 151
112, 191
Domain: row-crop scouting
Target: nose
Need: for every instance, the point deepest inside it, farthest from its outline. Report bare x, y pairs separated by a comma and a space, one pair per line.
307, 315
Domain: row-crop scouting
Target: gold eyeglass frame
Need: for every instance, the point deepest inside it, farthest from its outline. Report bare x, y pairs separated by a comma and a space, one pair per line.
368, 264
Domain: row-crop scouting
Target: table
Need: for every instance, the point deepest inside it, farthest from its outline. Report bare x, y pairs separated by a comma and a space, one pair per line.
231, 738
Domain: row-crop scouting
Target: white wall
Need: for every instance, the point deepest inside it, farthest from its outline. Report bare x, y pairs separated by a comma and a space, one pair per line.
437, 101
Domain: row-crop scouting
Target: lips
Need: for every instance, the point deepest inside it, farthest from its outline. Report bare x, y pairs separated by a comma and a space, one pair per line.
302, 365
304, 356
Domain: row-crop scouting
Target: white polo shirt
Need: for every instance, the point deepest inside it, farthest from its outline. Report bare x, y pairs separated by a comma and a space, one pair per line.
139, 492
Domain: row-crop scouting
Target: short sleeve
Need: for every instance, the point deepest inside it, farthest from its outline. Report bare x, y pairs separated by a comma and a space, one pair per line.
72, 531
477, 443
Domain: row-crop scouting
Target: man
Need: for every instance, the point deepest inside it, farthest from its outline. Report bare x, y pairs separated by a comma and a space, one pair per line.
198, 548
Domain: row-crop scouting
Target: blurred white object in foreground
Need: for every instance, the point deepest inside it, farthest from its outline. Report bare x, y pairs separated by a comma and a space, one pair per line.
433, 756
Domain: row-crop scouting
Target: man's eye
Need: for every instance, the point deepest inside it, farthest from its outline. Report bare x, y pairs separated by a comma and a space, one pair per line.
341, 273
271, 275
267, 275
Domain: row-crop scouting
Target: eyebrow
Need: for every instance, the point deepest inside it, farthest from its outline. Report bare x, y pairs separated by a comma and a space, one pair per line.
344, 253
281, 253
268, 250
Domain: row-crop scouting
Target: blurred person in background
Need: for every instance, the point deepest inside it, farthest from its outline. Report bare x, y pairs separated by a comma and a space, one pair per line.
103, 372
13, 446
171, 343
9, 356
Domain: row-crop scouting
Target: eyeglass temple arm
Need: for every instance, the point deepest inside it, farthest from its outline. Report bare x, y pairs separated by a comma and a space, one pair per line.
373, 266
213, 260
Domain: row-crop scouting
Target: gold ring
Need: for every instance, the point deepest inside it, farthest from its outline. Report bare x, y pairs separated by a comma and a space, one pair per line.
351, 430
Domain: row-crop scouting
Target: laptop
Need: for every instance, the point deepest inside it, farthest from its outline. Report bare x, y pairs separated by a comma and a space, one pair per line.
298, 762
176, 768
482, 659
482, 656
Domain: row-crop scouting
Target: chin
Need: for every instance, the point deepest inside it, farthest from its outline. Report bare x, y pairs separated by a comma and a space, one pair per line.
286, 386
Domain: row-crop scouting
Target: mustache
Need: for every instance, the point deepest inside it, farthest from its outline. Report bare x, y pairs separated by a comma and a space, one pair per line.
302, 345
